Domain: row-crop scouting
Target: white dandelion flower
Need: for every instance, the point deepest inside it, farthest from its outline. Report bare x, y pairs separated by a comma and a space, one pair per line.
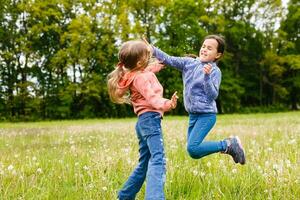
126, 150
269, 149
129, 161
10, 167
288, 163
275, 167
208, 164
292, 141
73, 148
195, 172
202, 174
104, 188
91, 186
267, 163
92, 152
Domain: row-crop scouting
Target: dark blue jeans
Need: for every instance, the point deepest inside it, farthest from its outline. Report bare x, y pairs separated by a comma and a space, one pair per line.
199, 127
151, 162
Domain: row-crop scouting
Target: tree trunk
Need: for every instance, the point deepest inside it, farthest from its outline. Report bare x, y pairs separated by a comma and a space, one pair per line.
294, 99
260, 88
10, 90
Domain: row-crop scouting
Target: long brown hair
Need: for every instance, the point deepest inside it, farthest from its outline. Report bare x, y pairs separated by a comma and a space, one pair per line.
130, 54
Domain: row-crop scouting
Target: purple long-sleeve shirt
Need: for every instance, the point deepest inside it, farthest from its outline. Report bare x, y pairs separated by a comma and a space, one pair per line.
200, 89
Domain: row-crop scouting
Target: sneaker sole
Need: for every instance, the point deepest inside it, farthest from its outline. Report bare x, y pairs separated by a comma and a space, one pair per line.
243, 160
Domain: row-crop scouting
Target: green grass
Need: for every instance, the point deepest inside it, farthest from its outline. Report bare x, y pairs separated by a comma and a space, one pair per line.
91, 159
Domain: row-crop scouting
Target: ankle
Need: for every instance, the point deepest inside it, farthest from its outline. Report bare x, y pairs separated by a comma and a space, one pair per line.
227, 142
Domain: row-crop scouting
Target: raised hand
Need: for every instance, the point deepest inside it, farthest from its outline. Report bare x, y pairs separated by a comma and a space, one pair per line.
174, 100
147, 43
207, 68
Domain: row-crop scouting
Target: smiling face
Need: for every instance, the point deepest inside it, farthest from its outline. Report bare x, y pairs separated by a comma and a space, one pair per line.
209, 51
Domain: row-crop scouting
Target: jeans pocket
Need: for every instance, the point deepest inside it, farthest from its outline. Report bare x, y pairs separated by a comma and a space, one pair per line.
150, 126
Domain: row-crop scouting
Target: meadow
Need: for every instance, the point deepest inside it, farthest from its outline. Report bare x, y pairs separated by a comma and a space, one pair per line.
91, 159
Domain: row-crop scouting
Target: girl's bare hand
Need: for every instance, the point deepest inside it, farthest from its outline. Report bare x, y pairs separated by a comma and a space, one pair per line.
207, 68
147, 43
157, 63
174, 100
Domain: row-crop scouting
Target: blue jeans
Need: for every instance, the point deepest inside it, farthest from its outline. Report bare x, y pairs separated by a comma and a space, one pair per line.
151, 162
199, 127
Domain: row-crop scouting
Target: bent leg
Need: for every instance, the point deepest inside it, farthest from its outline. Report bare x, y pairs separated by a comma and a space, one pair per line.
196, 147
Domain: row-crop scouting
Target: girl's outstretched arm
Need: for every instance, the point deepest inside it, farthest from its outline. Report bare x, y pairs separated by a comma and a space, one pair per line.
176, 62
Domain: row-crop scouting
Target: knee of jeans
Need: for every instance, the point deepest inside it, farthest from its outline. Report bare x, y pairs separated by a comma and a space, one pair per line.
122, 197
158, 158
142, 169
192, 151
143, 163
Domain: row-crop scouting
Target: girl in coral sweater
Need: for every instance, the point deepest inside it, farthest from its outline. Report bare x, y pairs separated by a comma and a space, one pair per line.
133, 81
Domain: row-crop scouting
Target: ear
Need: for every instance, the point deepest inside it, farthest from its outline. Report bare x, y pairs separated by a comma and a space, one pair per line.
138, 64
218, 56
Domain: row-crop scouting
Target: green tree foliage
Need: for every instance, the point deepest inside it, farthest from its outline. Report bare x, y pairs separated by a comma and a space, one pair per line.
289, 50
55, 54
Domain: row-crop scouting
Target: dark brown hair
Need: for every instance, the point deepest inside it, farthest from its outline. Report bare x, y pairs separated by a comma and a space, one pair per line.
221, 42
221, 45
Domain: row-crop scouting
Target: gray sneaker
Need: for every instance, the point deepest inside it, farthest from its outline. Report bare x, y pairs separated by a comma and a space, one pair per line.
235, 149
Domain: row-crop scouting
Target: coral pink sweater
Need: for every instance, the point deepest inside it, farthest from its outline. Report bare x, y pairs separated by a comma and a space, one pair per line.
146, 93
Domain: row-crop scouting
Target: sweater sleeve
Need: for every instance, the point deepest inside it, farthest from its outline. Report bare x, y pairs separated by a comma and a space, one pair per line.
212, 84
176, 62
143, 86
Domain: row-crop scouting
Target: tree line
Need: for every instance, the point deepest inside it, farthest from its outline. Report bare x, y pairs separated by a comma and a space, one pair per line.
55, 54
